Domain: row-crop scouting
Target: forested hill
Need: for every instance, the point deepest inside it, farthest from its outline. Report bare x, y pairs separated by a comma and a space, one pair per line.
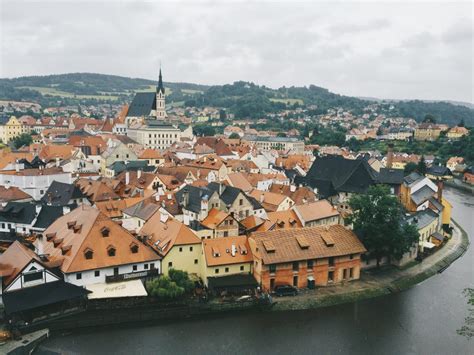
242, 98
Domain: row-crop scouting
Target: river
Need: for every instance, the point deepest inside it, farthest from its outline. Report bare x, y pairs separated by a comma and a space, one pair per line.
421, 320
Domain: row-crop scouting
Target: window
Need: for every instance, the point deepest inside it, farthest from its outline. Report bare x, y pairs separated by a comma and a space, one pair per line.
111, 251
296, 266
145, 266
331, 261
97, 273
180, 249
226, 234
310, 264
33, 276
135, 267
351, 272
241, 202
152, 266
272, 268
241, 268
351, 256
272, 284
330, 276
88, 254
78, 276
170, 264
3, 225
190, 248
216, 271
226, 269
295, 281
134, 248
195, 261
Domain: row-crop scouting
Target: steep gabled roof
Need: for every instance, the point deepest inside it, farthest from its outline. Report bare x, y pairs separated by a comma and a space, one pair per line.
143, 103
59, 193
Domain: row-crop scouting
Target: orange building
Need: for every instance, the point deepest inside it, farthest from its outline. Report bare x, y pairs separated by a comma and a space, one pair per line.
306, 257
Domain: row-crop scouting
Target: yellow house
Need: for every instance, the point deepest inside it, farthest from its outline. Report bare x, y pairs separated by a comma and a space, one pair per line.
12, 129
180, 248
225, 257
457, 132
427, 132
446, 215
427, 222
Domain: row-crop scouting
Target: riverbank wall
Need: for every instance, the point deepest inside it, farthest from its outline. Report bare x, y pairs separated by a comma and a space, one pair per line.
460, 185
395, 280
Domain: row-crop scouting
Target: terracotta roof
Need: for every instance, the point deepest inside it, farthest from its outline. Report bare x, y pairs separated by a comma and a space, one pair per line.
284, 219
291, 161
12, 193
323, 242
300, 195
96, 190
95, 143
251, 222
214, 218
34, 172
315, 211
87, 229
171, 182
150, 154
115, 208
164, 232
14, 260
240, 181
269, 200
218, 251
255, 178
51, 152
7, 158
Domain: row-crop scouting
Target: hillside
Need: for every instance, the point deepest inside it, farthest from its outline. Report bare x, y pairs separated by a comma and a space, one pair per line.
241, 98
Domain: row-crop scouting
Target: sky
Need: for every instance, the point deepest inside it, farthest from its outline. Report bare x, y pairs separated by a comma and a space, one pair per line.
384, 49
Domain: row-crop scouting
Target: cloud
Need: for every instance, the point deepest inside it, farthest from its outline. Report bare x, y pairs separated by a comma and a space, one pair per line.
393, 50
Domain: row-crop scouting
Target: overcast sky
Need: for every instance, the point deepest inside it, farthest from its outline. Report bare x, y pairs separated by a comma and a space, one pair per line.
385, 49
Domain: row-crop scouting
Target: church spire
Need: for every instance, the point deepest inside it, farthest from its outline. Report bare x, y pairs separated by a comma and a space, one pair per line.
160, 87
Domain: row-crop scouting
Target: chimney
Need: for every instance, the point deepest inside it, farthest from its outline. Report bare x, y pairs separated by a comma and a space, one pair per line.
139, 174
37, 209
390, 156
440, 190
292, 188
127, 177
39, 245
233, 250
66, 210
57, 162
262, 197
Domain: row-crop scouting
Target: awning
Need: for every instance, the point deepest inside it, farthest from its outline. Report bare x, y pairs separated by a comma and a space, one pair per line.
428, 245
438, 236
238, 281
42, 295
131, 288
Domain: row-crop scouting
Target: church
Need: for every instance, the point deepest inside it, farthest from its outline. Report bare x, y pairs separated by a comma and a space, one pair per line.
146, 120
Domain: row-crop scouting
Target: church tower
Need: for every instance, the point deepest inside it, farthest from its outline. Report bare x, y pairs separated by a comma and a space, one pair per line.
160, 99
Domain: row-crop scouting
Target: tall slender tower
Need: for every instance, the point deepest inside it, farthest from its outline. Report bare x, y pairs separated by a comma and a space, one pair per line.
160, 98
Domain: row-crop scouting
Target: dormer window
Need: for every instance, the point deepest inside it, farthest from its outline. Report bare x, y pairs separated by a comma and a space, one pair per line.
88, 253
105, 231
71, 224
134, 248
111, 250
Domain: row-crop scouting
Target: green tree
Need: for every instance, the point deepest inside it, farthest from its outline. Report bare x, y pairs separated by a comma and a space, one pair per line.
164, 288
24, 139
409, 168
234, 136
429, 118
421, 167
181, 278
378, 221
281, 134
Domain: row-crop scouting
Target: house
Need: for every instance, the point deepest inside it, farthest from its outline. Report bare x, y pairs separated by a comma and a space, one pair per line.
61, 194
135, 216
317, 213
456, 164
272, 201
97, 190
300, 195
116, 151
337, 179
435, 172
13, 194
152, 157
457, 132
306, 257
221, 223
179, 247
92, 249
427, 132
34, 182
416, 191
12, 129
392, 178
239, 180
287, 219
227, 265
428, 225
29, 283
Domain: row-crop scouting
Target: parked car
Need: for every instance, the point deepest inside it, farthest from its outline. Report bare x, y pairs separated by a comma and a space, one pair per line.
285, 290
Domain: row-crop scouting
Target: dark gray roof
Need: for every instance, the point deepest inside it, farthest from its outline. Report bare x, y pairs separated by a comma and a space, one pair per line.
438, 235
48, 215
391, 176
422, 195
255, 204
438, 170
18, 212
436, 203
133, 165
412, 178
143, 103
331, 174
422, 218
59, 194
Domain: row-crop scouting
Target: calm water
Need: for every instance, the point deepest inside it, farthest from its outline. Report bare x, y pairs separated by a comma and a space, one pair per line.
422, 320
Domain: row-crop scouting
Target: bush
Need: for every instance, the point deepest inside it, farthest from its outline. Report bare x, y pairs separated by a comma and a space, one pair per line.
170, 287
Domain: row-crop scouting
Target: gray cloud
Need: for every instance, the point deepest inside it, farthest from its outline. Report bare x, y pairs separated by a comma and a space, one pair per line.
393, 50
